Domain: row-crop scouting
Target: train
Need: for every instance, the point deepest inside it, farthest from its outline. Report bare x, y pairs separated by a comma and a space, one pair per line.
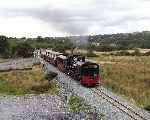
75, 65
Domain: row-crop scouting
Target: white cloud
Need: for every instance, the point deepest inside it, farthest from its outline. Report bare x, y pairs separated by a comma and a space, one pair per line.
26, 26
71, 17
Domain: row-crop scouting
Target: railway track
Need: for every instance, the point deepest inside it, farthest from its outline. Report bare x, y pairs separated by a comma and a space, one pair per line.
125, 109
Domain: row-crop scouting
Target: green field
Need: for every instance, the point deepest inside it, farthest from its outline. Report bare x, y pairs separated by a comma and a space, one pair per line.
128, 76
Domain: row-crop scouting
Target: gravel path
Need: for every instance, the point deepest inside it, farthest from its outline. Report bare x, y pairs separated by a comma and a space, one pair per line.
17, 64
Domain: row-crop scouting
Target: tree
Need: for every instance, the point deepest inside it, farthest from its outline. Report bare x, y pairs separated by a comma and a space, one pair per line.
4, 45
63, 45
90, 52
24, 50
39, 39
12, 48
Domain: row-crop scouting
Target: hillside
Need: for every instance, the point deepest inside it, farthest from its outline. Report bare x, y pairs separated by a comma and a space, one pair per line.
119, 41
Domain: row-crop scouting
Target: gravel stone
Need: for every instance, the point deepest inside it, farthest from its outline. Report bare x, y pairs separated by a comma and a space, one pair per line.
36, 107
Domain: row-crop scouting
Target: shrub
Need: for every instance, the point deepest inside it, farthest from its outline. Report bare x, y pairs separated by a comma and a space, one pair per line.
24, 50
136, 52
147, 54
91, 54
50, 75
45, 87
123, 53
112, 53
147, 108
77, 104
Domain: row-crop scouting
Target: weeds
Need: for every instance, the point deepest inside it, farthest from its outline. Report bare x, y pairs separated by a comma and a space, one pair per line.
50, 75
20, 82
77, 104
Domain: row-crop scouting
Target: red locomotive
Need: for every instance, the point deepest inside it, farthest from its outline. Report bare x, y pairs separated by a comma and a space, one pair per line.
74, 65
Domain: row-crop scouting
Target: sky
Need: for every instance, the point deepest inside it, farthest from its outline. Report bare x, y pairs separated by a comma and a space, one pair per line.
32, 18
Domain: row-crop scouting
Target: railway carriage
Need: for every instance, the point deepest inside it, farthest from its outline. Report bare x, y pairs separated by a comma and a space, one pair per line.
54, 57
43, 54
61, 62
50, 56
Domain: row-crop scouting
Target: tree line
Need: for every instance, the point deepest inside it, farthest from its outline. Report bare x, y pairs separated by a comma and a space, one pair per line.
24, 47
121, 41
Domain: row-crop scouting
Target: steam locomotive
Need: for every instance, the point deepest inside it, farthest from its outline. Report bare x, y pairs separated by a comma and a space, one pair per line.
75, 66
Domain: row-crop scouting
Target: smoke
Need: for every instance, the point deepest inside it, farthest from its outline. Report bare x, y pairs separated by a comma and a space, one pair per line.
79, 40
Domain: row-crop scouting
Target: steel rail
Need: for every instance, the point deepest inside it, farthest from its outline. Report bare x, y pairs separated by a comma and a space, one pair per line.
117, 104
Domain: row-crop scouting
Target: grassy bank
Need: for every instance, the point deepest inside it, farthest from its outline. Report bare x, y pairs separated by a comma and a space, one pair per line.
128, 76
20, 82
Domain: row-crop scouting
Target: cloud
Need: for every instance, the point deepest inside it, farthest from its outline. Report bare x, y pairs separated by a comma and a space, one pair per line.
83, 17
70, 21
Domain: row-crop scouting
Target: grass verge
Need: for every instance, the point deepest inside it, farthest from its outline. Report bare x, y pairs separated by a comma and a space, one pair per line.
77, 104
20, 82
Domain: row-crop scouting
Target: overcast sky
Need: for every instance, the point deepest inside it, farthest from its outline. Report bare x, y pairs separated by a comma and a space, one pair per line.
31, 18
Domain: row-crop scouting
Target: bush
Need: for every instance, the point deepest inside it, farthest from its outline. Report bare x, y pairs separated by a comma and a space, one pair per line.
147, 108
50, 75
136, 52
147, 54
91, 54
77, 104
24, 50
41, 88
123, 53
4, 46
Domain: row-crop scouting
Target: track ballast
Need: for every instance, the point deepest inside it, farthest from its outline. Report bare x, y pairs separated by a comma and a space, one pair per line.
125, 109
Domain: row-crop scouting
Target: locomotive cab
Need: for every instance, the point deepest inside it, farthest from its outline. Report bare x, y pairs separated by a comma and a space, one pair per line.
90, 74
